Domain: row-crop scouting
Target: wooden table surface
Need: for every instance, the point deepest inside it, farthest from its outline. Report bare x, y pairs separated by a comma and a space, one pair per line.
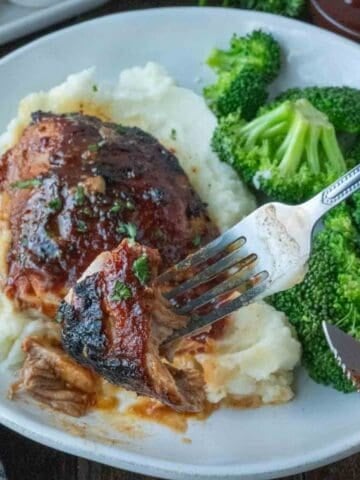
26, 460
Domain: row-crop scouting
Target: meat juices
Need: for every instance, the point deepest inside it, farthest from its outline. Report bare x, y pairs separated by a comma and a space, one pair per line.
76, 186
114, 321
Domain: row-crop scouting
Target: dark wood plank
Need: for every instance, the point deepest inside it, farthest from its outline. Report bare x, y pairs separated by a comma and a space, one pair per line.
348, 469
26, 460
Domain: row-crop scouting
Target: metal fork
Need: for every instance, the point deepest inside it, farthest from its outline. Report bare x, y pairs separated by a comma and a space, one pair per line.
261, 255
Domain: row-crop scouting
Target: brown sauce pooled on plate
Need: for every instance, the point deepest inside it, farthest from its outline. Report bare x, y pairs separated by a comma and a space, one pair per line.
153, 411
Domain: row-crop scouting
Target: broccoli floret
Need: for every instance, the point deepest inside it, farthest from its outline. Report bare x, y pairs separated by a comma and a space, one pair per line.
258, 49
354, 203
233, 91
290, 153
290, 8
340, 104
353, 152
330, 292
243, 73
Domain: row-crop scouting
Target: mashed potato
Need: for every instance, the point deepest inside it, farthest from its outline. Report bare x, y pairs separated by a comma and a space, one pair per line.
256, 357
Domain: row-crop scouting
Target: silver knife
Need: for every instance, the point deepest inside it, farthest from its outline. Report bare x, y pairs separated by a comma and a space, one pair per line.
346, 351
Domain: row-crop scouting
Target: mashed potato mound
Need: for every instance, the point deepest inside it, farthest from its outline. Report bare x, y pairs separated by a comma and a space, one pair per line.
254, 359
259, 351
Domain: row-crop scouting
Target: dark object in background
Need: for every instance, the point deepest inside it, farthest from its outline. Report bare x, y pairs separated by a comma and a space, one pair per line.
289, 8
340, 16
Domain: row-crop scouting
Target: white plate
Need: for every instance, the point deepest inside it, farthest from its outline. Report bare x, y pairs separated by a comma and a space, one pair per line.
19, 20
320, 425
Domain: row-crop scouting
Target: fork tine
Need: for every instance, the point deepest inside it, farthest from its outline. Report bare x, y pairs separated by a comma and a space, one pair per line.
206, 253
198, 322
211, 271
239, 279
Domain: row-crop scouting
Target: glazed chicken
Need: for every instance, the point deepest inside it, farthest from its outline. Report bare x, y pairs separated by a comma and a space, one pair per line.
71, 190
115, 319
73, 187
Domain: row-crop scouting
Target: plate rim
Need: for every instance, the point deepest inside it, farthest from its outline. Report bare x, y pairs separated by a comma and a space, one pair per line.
142, 463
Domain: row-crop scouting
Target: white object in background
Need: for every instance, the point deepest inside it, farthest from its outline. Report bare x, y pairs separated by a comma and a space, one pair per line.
36, 3
19, 20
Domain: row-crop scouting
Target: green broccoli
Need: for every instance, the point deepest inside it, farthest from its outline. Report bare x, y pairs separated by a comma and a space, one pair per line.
354, 203
290, 8
290, 152
245, 92
244, 71
330, 292
353, 152
340, 104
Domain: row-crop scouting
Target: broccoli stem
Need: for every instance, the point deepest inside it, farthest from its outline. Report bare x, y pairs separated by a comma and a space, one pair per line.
332, 149
292, 148
312, 148
260, 125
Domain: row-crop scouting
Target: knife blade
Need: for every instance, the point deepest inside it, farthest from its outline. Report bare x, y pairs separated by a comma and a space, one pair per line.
346, 351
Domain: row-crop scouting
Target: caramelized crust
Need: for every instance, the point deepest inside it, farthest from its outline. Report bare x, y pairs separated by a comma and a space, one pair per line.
75, 185
117, 331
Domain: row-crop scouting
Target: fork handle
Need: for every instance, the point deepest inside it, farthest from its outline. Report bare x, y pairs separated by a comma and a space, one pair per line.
338, 191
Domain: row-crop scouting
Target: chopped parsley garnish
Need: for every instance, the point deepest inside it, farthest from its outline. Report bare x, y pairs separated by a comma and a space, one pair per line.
87, 211
173, 134
141, 269
31, 183
117, 206
159, 234
129, 205
79, 195
81, 226
120, 292
93, 147
95, 88
128, 229
55, 204
196, 240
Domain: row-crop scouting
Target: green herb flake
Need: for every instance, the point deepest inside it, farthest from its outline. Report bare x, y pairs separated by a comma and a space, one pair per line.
93, 147
87, 211
59, 317
196, 240
120, 292
159, 234
118, 205
129, 205
22, 184
95, 88
173, 134
24, 241
128, 229
81, 226
55, 204
79, 195
141, 269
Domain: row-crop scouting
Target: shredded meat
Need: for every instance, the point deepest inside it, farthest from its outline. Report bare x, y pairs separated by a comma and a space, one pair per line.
50, 376
114, 322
